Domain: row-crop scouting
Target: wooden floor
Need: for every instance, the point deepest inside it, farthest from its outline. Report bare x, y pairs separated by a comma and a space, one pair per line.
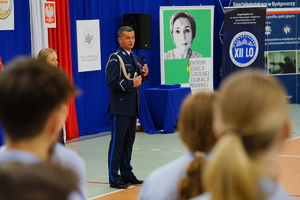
128, 194
290, 167
289, 176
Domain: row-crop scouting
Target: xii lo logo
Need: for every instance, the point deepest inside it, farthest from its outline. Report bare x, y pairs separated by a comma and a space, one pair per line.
243, 49
5, 8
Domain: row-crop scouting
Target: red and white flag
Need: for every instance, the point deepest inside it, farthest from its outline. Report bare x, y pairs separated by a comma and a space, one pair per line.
1, 64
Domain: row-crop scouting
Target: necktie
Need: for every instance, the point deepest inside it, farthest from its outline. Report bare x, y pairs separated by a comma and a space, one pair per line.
131, 55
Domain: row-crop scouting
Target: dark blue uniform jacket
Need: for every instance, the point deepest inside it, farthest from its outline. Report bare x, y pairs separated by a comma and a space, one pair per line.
124, 98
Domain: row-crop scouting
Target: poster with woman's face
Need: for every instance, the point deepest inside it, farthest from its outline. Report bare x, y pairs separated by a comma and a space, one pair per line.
186, 46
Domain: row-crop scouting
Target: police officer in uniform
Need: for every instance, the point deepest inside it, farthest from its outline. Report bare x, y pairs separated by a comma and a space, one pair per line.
123, 76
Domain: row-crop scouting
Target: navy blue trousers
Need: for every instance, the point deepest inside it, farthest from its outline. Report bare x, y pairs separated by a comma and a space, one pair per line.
120, 147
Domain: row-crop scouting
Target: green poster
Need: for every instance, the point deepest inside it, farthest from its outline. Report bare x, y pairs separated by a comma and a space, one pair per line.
186, 37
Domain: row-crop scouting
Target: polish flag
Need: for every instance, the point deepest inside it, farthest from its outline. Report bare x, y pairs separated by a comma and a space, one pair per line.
1, 64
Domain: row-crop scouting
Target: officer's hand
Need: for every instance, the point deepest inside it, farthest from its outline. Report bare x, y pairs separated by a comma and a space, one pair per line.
137, 81
144, 70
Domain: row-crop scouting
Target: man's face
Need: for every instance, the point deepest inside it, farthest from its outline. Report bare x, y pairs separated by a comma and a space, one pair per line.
127, 40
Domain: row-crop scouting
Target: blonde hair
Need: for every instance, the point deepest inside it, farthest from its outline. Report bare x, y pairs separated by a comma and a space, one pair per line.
43, 54
195, 130
251, 112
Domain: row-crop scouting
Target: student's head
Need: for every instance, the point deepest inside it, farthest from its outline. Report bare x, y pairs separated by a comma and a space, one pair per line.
36, 181
48, 55
183, 29
252, 119
31, 92
195, 129
195, 122
126, 37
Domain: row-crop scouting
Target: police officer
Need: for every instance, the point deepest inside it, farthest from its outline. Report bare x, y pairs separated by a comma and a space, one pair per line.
123, 76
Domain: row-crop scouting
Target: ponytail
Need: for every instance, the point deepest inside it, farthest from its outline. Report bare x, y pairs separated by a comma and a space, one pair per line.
229, 173
191, 185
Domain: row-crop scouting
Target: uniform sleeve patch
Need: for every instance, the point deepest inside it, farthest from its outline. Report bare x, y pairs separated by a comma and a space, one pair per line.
113, 60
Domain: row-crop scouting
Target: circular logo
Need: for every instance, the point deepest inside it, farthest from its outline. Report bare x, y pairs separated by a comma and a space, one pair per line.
243, 49
286, 29
5, 8
88, 38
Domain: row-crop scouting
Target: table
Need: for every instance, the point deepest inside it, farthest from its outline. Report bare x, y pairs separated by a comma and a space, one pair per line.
159, 108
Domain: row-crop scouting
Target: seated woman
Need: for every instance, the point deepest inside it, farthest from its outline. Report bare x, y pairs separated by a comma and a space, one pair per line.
180, 179
50, 56
183, 32
243, 163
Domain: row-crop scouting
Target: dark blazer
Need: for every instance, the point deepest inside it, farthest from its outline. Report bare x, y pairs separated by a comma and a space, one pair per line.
124, 99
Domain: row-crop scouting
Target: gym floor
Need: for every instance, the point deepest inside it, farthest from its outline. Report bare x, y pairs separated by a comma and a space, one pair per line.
155, 150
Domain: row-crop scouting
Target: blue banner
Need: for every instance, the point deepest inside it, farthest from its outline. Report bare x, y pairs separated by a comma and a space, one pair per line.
281, 42
243, 39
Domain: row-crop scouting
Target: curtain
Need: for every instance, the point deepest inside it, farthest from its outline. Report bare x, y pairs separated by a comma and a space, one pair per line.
59, 39
92, 105
39, 33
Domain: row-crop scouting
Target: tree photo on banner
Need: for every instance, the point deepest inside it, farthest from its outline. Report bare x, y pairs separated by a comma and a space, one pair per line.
186, 47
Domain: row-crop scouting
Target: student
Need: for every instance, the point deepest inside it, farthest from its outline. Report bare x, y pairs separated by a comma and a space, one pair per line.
36, 181
50, 56
33, 109
252, 116
180, 179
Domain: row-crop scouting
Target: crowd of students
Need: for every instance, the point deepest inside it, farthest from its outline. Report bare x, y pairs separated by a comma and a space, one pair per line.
230, 135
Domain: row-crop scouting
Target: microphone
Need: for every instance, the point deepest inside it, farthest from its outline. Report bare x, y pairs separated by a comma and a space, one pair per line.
143, 59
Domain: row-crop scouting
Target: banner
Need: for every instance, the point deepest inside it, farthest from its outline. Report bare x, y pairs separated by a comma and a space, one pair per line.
7, 15
243, 39
49, 14
88, 45
186, 46
282, 55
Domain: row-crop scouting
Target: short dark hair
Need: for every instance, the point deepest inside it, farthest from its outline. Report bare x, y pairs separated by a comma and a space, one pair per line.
124, 29
42, 180
30, 91
181, 14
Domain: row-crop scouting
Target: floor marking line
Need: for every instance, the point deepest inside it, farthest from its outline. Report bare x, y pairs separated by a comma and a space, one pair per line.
79, 140
155, 149
293, 139
177, 150
289, 156
109, 193
97, 182
93, 182
291, 195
